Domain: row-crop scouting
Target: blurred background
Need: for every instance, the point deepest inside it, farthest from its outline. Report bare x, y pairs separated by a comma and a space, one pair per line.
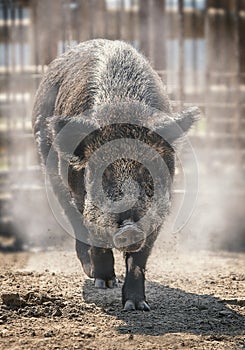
198, 49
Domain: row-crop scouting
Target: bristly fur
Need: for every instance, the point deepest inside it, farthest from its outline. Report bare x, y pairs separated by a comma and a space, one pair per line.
99, 92
94, 84
96, 73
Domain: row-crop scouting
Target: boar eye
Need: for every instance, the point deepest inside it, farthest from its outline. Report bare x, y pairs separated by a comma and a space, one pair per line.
107, 176
143, 171
107, 173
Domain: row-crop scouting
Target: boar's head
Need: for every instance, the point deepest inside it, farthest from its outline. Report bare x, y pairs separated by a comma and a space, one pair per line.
117, 167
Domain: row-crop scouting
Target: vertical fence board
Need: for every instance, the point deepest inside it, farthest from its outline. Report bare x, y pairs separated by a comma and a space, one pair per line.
181, 51
207, 45
144, 27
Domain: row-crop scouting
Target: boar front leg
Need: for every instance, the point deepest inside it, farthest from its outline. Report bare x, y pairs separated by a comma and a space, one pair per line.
103, 265
133, 292
98, 263
83, 254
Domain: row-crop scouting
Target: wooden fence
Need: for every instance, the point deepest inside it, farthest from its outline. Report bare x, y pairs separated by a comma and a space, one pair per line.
196, 46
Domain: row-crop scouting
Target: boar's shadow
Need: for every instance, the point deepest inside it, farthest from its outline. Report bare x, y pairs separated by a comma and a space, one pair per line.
172, 311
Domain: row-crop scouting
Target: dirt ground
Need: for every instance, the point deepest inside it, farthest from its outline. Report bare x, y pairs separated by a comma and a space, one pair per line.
197, 301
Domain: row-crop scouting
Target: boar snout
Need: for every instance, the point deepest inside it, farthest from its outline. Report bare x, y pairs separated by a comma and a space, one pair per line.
129, 238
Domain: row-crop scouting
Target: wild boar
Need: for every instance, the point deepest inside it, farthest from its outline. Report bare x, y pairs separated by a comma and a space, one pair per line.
105, 91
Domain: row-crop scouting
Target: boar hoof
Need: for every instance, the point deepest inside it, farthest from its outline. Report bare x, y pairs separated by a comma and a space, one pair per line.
130, 305
112, 283
142, 305
99, 283
102, 284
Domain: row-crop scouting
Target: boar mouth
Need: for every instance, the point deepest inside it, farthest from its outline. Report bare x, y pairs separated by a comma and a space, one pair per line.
129, 238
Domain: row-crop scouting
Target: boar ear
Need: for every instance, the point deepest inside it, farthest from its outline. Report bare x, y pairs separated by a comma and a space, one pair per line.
75, 125
67, 132
174, 128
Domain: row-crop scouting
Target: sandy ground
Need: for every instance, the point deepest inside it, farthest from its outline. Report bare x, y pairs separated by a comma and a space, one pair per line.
197, 301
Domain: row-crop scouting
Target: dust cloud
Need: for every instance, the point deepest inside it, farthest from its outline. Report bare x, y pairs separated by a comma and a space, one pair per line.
217, 222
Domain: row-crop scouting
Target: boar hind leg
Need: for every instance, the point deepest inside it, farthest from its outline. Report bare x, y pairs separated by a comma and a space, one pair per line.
133, 291
103, 266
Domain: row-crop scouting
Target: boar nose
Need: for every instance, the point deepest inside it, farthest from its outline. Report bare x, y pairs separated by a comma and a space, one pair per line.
129, 236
